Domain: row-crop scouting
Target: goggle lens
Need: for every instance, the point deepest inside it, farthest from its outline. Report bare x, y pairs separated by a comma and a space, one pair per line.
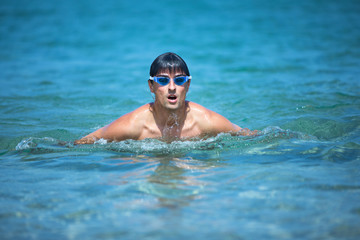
163, 81
180, 80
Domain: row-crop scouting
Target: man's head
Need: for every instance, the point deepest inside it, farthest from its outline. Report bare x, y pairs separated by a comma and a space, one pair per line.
168, 62
169, 80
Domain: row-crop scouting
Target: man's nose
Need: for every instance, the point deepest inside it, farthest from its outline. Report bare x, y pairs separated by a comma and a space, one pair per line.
172, 85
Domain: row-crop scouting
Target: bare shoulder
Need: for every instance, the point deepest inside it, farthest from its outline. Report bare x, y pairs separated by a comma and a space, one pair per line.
206, 114
209, 121
128, 126
133, 117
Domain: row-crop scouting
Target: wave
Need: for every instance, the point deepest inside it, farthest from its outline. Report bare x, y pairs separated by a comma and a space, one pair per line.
221, 142
42, 143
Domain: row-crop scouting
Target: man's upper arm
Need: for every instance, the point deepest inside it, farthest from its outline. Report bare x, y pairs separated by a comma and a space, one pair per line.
214, 123
222, 124
118, 130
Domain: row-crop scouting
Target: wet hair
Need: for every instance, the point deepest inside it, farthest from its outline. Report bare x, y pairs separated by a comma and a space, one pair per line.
168, 62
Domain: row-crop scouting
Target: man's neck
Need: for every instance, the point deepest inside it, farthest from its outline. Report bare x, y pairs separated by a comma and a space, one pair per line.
170, 122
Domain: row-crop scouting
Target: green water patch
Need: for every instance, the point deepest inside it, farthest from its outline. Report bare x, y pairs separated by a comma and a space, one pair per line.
56, 137
343, 152
322, 128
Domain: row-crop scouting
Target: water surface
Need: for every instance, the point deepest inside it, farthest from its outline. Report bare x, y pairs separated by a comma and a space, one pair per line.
288, 69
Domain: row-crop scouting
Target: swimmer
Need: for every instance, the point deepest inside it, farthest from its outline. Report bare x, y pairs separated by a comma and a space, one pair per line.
170, 117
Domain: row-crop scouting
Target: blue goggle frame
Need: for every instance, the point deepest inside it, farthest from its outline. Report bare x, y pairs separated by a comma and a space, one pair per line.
163, 81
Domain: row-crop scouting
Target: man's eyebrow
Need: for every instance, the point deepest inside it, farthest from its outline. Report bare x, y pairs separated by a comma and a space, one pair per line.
163, 75
168, 75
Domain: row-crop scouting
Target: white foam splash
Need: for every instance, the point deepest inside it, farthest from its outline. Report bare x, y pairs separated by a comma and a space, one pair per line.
25, 144
44, 142
270, 136
101, 141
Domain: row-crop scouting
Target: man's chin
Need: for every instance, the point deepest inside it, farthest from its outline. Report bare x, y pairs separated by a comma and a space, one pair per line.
172, 106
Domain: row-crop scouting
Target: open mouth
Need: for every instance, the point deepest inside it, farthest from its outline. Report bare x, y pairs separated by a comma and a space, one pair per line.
172, 98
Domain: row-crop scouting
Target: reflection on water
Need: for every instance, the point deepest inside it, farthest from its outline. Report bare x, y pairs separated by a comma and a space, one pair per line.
174, 172
152, 185
173, 181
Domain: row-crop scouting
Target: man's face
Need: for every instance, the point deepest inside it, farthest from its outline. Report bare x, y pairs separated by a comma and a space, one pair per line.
170, 96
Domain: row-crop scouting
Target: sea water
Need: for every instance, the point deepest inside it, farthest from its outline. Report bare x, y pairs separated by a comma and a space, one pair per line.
289, 69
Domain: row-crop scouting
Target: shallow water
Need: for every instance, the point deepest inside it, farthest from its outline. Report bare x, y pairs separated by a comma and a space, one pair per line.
288, 69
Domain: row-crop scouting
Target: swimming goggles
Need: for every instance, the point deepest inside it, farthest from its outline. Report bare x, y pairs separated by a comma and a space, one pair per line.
163, 81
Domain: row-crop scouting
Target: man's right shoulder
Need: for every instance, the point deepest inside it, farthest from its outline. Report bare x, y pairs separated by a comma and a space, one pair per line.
131, 124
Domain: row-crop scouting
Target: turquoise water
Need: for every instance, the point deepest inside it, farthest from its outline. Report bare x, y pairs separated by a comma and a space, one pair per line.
289, 69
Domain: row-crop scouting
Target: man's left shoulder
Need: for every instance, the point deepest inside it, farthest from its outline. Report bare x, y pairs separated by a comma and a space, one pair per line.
197, 108
204, 116
211, 121
202, 111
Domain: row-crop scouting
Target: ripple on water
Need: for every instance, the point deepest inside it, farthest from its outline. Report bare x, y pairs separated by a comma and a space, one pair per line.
222, 142
322, 128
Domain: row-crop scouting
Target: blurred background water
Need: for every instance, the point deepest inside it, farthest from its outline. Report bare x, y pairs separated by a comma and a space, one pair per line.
287, 68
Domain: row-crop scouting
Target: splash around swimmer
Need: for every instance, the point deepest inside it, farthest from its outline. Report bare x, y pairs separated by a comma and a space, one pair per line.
170, 117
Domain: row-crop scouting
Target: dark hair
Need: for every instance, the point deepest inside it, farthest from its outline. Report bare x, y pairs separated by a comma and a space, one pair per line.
169, 62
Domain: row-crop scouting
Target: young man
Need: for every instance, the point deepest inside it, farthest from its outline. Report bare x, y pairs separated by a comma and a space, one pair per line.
170, 117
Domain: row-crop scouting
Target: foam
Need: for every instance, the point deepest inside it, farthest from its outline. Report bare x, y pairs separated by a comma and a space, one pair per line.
270, 136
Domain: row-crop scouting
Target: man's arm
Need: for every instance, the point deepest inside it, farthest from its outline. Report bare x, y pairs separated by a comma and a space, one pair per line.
219, 124
91, 138
118, 130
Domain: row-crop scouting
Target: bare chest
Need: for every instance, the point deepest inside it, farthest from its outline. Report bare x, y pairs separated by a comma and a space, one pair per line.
172, 132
